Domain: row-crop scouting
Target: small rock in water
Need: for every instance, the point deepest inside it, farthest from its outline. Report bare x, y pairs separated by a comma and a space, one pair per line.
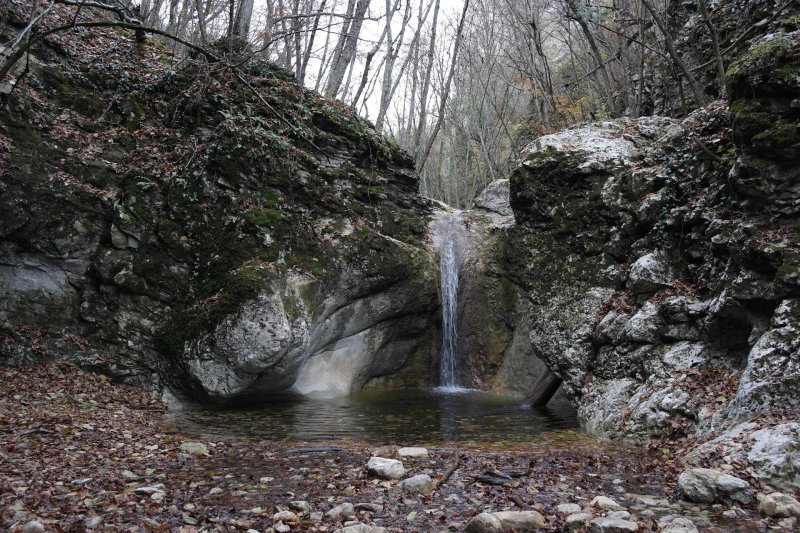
568, 508
419, 484
603, 502
520, 520
779, 505
412, 452
362, 528
485, 523
300, 507
386, 468
286, 516
342, 512
610, 525
196, 449
575, 522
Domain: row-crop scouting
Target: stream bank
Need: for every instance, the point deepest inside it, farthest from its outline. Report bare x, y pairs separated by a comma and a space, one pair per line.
81, 453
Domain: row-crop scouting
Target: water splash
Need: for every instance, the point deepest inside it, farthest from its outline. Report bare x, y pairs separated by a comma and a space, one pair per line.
450, 230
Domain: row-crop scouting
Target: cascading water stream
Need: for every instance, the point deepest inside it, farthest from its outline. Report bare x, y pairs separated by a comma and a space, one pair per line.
449, 267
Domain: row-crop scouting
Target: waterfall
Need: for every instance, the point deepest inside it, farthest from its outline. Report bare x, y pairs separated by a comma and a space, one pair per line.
450, 230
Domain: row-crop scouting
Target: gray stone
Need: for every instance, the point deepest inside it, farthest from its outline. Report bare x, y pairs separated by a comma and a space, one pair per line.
286, 516
611, 525
342, 512
369, 507
676, 524
568, 508
704, 485
650, 273
619, 515
577, 521
300, 506
412, 453
485, 523
385, 468
495, 198
196, 449
362, 528
280, 527
32, 527
419, 484
604, 502
520, 520
779, 505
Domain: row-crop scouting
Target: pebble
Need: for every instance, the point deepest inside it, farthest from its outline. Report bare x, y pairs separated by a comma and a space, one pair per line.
413, 452
196, 449
300, 507
568, 508
93, 522
419, 484
151, 489
603, 502
362, 528
316, 516
286, 516
575, 522
729, 514
32, 527
342, 512
280, 527
385, 468
610, 525
619, 515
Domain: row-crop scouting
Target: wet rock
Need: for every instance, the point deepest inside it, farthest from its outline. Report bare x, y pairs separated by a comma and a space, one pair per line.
485, 523
779, 505
412, 453
195, 449
577, 521
341, 513
611, 525
385, 468
568, 508
286, 516
604, 502
301, 507
419, 484
704, 485
520, 520
650, 273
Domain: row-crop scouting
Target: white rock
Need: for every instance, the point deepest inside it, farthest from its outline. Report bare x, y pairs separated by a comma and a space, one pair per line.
603, 502
520, 520
650, 273
412, 453
704, 485
159, 487
419, 484
280, 527
568, 508
575, 522
386, 468
779, 505
342, 512
362, 528
610, 525
619, 515
286, 516
485, 523
301, 507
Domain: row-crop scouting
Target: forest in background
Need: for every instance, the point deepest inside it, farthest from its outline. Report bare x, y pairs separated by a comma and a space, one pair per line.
462, 85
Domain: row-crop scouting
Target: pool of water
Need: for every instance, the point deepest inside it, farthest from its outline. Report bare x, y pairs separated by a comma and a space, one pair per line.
393, 417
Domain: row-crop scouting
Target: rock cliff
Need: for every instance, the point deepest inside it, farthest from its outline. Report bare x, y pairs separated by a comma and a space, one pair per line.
218, 230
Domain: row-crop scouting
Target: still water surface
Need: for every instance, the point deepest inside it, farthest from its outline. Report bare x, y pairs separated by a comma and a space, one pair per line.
393, 417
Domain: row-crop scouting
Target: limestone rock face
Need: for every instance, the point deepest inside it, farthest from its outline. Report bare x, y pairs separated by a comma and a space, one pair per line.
649, 273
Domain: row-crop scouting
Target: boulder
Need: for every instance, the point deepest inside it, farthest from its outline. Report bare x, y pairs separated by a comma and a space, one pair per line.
704, 485
779, 505
385, 468
419, 484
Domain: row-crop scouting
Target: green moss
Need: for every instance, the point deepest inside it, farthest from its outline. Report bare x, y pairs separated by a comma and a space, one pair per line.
264, 217
779, 136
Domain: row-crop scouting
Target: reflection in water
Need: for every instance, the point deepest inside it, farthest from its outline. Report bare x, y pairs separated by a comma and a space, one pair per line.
422, 416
